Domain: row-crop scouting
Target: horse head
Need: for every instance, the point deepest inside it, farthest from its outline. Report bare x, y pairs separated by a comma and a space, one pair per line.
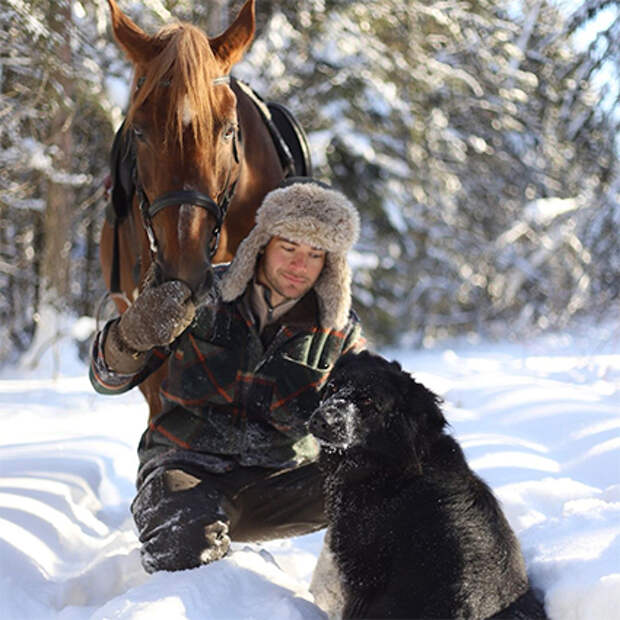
183, 119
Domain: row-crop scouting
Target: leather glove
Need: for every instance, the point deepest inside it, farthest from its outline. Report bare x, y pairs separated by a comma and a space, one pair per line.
158, 316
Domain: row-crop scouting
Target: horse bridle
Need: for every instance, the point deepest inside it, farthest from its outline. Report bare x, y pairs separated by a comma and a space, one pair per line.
218, 209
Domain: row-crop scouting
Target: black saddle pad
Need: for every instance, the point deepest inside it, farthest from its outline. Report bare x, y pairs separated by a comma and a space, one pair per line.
122, 165
294, 136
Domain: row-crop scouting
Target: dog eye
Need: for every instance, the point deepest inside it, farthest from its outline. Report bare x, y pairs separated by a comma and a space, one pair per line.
328, 390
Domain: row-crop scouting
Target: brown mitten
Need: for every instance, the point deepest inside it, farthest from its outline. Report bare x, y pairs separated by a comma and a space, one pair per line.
156, 318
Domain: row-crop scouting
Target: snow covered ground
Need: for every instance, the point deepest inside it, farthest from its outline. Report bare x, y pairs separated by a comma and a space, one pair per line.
540, 421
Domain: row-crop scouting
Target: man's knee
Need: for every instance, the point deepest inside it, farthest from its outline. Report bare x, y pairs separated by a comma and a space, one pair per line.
181, 521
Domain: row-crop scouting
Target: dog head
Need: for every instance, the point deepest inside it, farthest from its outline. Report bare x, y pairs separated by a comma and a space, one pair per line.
371, 404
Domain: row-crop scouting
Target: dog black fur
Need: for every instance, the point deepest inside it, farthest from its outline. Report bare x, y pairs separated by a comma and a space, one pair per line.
414, 531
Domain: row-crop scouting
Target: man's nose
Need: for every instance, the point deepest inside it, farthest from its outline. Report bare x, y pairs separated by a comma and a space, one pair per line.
300, 262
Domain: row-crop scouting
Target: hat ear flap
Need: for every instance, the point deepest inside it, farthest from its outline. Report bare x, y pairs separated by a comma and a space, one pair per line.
334, 291
241, 270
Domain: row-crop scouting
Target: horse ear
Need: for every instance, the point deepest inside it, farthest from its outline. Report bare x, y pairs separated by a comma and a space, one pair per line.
134, 41
230, 45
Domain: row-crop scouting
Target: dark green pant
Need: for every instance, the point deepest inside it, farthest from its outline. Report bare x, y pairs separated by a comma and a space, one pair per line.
187, 517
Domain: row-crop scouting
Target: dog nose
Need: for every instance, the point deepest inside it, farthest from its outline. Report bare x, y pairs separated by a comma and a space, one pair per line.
317, 425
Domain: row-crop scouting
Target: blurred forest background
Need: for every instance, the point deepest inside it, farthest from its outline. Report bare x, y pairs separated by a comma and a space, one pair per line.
478, 138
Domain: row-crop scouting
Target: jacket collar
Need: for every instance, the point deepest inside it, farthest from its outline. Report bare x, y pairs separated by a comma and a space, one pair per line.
260, 302
304, 314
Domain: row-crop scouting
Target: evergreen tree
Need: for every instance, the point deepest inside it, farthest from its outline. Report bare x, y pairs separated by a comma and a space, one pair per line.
478, 139
53, 152
444, 124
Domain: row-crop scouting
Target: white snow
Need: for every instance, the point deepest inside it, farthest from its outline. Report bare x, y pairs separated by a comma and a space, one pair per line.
544, 210
538, 420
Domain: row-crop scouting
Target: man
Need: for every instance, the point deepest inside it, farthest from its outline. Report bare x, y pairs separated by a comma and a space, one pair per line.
230, 457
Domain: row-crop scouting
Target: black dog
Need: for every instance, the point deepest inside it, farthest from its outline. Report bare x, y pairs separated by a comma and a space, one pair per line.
414, 532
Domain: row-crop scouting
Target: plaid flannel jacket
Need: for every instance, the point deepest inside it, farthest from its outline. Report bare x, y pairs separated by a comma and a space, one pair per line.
231, 398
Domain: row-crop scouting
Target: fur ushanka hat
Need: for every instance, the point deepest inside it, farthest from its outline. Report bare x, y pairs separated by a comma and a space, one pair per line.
305, 211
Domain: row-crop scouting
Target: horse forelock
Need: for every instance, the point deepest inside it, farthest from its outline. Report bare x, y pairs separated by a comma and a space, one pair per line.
186, 67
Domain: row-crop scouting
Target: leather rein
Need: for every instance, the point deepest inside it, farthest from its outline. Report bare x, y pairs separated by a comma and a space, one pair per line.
217, 209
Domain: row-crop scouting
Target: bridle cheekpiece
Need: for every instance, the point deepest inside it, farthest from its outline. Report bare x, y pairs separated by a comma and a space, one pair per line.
218, 209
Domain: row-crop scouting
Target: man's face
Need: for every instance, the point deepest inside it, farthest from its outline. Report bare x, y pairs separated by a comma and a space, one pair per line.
289, 269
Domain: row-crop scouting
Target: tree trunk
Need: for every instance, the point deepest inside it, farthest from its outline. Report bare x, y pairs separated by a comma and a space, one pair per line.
217, 20
57, 219
53, 301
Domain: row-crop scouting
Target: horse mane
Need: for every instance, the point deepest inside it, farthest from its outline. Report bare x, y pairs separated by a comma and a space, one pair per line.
186, 67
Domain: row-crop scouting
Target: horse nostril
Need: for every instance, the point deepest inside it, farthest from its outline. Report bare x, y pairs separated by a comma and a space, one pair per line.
207, 291
154, 275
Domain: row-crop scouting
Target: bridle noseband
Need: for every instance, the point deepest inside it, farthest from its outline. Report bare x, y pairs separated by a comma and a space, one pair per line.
218, 209
179, 197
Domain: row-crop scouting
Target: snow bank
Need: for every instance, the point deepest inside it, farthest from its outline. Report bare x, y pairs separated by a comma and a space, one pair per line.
538, 421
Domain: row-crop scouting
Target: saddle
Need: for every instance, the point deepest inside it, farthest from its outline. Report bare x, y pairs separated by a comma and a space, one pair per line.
288, 136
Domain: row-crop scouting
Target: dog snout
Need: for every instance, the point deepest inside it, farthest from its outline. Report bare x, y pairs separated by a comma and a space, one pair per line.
317, 425
324, 419
329, 425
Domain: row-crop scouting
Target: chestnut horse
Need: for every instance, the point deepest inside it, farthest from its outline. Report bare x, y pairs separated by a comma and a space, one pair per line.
205, 160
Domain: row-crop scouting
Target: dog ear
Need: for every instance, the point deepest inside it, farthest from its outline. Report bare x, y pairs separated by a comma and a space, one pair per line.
396, 366
415, 451
423, 421
433, 415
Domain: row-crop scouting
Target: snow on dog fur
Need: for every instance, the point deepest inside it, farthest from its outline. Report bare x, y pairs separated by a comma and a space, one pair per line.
414, 532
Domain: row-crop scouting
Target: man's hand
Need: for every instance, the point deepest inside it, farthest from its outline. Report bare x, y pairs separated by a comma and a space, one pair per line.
158, 316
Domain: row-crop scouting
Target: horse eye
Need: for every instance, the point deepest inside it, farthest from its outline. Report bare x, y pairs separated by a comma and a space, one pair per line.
229, 132
138, 132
